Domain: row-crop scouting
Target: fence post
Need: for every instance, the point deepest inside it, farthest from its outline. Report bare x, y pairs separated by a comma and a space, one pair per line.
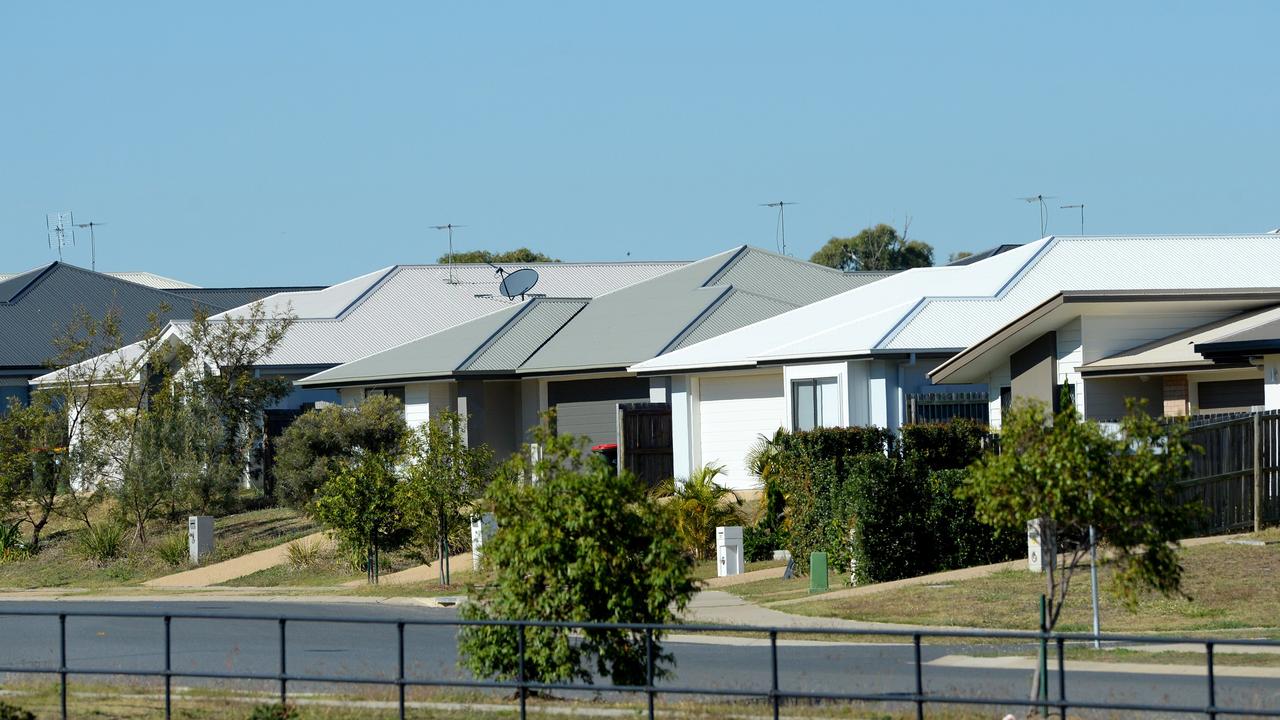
1062, 679
648, 651
523, 693
168, 678
62, 662
284, 683
1257, 472
1044, 656
915, 641
400, 665
1208, 660
773, 660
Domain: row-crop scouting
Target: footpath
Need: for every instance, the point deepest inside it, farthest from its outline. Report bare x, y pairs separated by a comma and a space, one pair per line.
235, 567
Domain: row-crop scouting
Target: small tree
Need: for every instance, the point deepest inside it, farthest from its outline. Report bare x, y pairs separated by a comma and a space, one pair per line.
33, 447
362, 503
581, 544
222, 355
875, 248
1072, 475
700, 505
443, 479
320, 440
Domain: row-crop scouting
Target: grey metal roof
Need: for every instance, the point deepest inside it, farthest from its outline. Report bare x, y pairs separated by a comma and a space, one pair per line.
235, 297
392, 306
616, 329
135, 276
37, 306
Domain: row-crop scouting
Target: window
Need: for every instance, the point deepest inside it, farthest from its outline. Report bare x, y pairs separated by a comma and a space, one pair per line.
395, 392
814, 403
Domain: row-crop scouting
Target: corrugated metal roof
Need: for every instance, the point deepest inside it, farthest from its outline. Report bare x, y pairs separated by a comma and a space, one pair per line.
142, 278
392, 306
639, 321
41, 303
952, 307
524, 335
234, 297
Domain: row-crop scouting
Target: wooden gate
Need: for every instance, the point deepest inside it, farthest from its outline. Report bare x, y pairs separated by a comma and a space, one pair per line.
644, 441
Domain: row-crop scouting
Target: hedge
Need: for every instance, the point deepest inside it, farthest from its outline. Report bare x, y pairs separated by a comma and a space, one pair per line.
883, 504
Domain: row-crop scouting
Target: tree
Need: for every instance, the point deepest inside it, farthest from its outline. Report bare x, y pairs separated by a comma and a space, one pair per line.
33, 447
362, 503
1073, 475
222, 355
319, 440
519, 255
443, 479
581, 544
875, 248
700, 505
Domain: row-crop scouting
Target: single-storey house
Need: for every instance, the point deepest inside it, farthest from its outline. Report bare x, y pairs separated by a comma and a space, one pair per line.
37, 306
865, 356
504, 369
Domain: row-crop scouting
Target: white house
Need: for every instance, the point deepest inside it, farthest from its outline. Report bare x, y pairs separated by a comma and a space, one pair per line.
864, 356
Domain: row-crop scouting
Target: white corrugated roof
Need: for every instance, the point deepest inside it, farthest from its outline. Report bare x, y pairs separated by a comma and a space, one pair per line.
394, 305
949, 308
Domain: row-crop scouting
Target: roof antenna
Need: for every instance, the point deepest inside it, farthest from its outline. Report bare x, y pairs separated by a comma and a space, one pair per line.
450, 227
1044, 210
93, 243
1071, 207
780, 236
60, 227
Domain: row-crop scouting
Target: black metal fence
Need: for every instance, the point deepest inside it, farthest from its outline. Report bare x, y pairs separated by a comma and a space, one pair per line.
941, 407
1052, 647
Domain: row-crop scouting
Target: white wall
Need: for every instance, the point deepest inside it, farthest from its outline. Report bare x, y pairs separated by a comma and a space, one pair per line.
417, 405
682, 425
999, 378
1069, 353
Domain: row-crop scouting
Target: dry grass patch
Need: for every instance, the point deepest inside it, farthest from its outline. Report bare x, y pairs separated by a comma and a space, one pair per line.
1232, 587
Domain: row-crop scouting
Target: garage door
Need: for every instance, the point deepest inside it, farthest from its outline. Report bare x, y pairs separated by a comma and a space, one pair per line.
734, 411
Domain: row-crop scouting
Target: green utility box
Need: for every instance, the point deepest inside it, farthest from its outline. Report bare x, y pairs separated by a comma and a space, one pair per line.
817, 572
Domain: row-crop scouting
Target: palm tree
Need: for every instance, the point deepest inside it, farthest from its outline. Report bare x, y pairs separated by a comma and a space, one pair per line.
764, 461
700, 505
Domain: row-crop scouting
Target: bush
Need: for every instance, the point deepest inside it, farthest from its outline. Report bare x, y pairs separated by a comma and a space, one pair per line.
759, 542
304, 554
174, 549
11, 545
275, 711
583, 544
13, 712
320, 440
700, 505
888, 507
101, 543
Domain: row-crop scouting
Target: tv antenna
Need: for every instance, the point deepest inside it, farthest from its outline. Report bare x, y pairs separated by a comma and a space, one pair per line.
780, 235
1072, 207
515, 283
93, 242
1044, 210
61, 229
450, 227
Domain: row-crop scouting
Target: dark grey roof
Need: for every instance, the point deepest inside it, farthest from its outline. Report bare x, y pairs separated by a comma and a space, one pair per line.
37, 306
1261, 339
556, 335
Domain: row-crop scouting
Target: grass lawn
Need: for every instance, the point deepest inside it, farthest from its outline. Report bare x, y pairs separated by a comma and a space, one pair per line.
706, 569
328, 570
59, 564
1231, 588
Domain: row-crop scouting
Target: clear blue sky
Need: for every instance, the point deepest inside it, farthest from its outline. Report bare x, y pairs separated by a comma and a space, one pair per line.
270, 143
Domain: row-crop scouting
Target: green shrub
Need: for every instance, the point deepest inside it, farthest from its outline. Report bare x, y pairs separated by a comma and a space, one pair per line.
583, 544
887, 506
700, 505
102, 543
759, 542
11, 545
13, 712
173, 549
275, 711
316, 444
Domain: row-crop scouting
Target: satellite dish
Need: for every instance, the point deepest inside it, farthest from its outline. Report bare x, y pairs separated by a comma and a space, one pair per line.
519, 282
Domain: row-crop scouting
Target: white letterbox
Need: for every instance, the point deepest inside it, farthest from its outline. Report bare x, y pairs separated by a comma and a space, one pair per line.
729, 556
482, 528
199, 537
1040, 550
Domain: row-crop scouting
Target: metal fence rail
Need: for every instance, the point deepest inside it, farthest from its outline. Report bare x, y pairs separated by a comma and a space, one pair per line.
775, 695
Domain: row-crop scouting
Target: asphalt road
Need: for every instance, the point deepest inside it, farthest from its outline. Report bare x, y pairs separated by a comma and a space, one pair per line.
321, 647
